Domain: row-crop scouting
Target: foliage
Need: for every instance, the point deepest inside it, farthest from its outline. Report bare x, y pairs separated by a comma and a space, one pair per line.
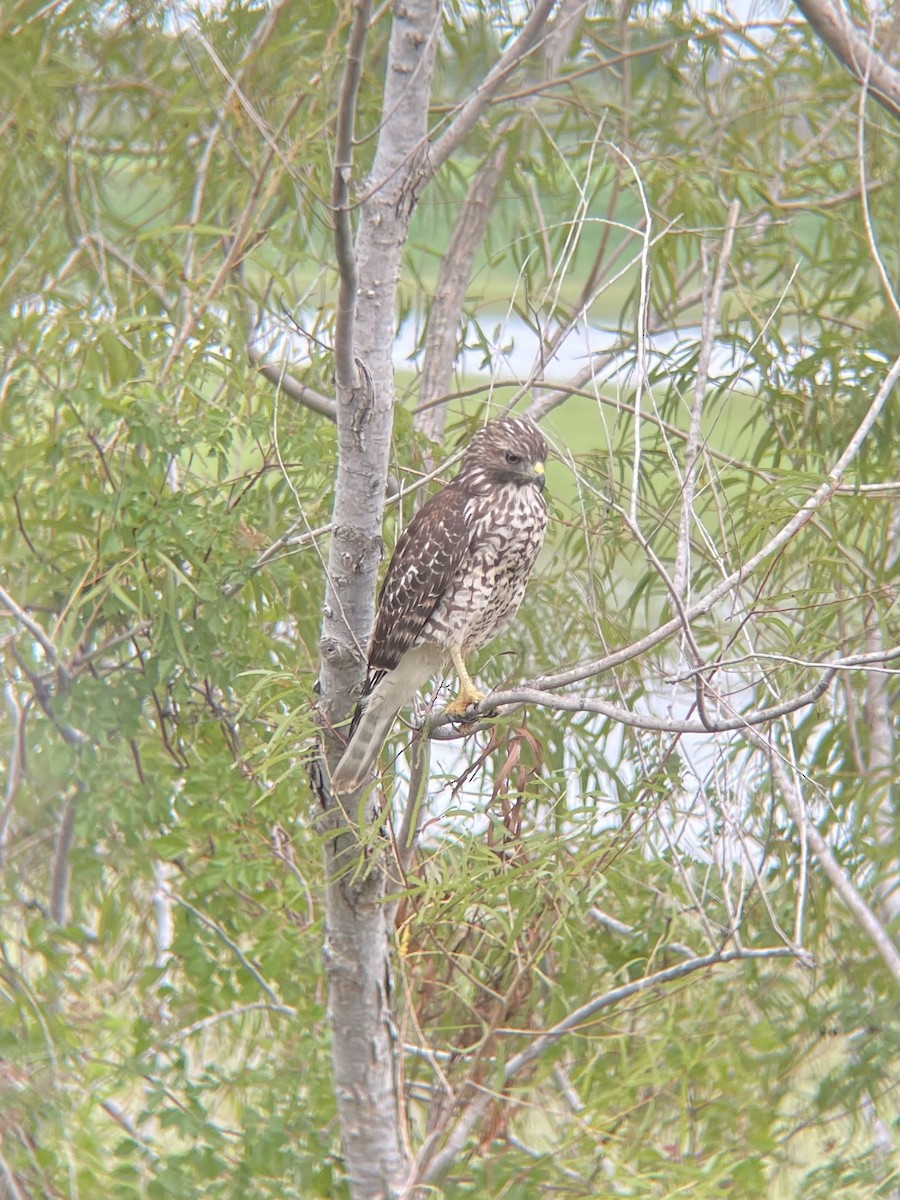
166, 175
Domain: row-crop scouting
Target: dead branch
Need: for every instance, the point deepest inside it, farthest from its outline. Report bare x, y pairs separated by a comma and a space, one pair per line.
449, 293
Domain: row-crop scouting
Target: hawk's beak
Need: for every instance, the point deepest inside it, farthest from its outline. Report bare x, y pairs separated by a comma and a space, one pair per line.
539, 477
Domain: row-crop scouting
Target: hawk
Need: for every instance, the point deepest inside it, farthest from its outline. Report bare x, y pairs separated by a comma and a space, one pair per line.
456, 579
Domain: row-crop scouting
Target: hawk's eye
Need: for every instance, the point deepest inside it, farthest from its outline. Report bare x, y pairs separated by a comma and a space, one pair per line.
512, 458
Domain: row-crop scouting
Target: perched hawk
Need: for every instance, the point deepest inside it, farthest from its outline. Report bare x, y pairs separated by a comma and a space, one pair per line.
456, 579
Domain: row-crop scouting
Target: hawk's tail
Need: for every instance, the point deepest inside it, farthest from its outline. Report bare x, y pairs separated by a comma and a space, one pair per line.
376, 714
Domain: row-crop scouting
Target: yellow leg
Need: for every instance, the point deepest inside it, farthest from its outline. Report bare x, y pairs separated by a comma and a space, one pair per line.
468, 692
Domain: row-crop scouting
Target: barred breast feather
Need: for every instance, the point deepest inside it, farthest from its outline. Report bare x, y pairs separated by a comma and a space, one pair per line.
456, 579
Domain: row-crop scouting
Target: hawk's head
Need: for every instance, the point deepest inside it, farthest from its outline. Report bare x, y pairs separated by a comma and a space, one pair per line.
510, 450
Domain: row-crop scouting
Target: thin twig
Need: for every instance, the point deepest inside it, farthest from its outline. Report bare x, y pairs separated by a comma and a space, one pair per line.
681, 574
32, 626
342, 174
623, 930
231, 944
837, 877
121, 1117
239, 1010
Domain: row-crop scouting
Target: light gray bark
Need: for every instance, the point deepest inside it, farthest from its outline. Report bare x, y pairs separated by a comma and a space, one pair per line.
357, 936
59, 872
832, 22
453, 280
357, 939
880, 700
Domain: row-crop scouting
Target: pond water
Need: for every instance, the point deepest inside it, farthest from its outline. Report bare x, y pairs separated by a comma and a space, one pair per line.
504, 347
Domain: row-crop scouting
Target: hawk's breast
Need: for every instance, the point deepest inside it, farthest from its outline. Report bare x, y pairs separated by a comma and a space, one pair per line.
505, 529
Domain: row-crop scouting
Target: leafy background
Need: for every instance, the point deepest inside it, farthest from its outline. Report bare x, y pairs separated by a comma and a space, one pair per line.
165, 176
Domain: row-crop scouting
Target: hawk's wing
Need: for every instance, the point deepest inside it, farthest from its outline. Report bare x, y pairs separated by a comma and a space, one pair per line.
426, 559
427, 556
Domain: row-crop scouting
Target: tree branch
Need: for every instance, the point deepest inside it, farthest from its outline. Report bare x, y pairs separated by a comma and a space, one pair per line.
16, 763
32, 626
279, 375
469, 112
342, 174
820, 497
364, 1051
449, 293
579, 703
59, 871
839, 880
854, 50
436, 1166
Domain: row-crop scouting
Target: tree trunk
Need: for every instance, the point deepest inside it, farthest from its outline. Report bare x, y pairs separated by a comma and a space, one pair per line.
357, 936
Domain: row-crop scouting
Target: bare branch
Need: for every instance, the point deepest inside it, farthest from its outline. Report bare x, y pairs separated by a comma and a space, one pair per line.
450, 290
851, 47
292, 387
345, 370
435, 1167
839, 880
577, 702
469, 112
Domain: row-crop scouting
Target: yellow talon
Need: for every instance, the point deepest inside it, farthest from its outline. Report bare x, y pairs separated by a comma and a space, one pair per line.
468, 692
463, 702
